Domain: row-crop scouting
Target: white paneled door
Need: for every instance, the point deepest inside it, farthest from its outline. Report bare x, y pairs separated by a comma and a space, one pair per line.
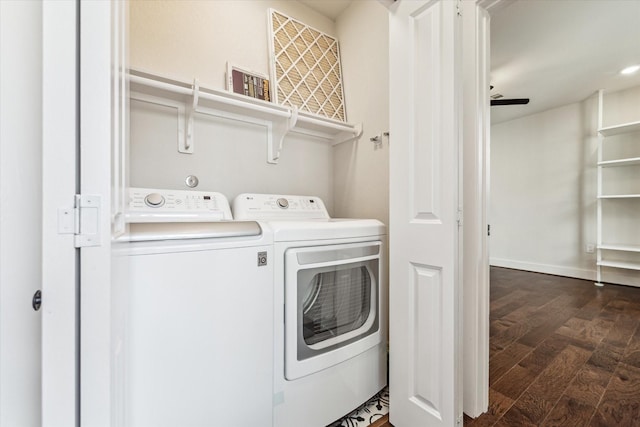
425, 85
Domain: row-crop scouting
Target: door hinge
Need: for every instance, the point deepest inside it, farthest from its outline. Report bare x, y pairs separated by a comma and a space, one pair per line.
83, 220
459, 218
459, 8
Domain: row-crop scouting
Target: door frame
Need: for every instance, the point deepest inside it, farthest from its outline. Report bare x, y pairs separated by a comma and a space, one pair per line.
475, 169
98, 75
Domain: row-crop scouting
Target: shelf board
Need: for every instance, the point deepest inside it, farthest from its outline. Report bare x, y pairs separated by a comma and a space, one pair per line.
620, 196
618, 264
309, 123
619, 129
620, 162
240, 104
209, 98
622, 248
220, 103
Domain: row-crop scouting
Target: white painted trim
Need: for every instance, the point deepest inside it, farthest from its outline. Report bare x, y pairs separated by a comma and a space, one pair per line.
476, 186
557, 270
96, 349
59, 286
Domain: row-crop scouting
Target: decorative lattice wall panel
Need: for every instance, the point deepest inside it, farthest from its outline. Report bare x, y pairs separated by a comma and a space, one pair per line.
306, 68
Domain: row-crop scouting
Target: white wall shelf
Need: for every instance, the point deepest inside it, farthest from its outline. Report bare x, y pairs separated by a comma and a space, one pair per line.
603, 133
622, 248
279, 120
620, 162
620, 129
618, 264
619, 196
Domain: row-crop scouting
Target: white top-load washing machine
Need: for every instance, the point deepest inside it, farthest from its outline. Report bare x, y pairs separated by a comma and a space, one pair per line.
330, 299
193, 320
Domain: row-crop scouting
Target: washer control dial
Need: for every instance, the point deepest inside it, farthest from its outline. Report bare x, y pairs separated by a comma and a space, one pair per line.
283, 203
154, 200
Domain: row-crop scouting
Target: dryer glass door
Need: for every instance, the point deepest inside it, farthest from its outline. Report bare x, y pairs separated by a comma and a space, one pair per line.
332, 305
335, 302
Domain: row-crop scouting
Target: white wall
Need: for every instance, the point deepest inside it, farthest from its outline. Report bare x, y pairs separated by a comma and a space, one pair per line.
361, 181
229, 157
195, 39
20, 211
543, 190
184, 39
621, 107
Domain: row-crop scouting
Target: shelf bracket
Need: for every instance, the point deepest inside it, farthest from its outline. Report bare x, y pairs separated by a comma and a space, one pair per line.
347, 136
187, 144
275, 139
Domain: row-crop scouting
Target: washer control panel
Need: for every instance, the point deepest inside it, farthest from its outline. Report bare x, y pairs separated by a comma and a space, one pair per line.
154, 205
282, 203
276, 206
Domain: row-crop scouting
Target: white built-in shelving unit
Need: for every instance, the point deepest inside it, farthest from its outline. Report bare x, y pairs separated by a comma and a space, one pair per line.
190, 98
605, 246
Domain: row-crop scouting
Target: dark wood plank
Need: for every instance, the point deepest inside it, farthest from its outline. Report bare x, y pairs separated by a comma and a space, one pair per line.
632, 352
589, 332
515, 382
622, 331
507, 309
505, 338
601, 297
501, 363
589, 385
382, 422
541, 396
498, 405
540, 332
606, 357
569, 412
620, 405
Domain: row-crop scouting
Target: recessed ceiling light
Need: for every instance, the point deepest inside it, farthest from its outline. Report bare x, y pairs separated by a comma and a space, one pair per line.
630, 70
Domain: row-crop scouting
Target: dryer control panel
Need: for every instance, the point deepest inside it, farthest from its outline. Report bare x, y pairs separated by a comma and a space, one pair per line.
154, 205
278, 206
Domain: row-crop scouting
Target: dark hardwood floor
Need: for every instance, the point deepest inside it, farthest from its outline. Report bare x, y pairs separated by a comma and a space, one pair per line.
563, 352
382, 422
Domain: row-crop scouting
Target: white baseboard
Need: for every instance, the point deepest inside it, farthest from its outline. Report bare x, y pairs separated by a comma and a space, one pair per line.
557, 270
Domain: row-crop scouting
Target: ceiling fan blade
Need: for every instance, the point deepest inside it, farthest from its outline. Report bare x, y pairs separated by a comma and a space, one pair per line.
514, 101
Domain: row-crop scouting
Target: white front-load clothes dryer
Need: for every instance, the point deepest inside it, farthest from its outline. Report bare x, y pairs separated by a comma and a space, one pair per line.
330, 299
193, 319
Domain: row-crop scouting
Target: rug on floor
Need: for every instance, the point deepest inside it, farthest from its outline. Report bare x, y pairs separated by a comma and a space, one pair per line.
370, 411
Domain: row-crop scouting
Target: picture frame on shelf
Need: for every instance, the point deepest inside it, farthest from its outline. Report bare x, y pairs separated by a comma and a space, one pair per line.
246, 82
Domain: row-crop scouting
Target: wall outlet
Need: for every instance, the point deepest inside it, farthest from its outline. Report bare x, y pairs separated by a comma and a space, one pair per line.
590, 248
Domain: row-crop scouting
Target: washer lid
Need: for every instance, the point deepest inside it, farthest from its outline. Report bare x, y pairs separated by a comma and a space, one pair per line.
140, 232
289, 231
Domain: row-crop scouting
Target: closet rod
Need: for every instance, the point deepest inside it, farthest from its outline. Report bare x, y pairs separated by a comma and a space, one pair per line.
327, 124
209, 96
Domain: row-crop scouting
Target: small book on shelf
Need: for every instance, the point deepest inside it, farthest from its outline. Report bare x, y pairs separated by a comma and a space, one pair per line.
249, 83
